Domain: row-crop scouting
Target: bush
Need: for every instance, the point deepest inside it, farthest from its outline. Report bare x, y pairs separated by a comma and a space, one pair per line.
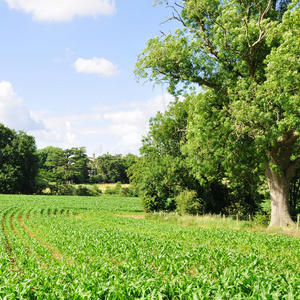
96, 190
82, 190
188, 203
128, 192
64, 189
261, 219
151, 204
73, 190
110, 191
121, 191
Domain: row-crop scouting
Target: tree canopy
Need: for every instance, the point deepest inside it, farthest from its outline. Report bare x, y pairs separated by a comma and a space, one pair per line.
113, 168
18, 162
63, 166
245, 58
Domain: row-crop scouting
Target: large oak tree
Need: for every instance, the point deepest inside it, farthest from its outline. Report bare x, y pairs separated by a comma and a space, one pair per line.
245, 57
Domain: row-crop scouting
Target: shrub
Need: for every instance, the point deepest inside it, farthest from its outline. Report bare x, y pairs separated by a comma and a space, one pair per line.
188, 203
120, 191
82, 190
65, 190
96, 190
151, 204
110, 191
261, 219
128, 192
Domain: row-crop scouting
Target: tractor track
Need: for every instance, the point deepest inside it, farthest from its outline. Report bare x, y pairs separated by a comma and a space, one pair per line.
56, 254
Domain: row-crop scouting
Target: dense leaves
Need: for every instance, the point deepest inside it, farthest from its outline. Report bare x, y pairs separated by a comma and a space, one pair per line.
244, 56
18, 162
112, 168
161, 171
63, 166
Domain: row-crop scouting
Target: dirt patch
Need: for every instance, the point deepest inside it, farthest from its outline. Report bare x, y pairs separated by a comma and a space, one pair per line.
12, 225
131, 216
7, 243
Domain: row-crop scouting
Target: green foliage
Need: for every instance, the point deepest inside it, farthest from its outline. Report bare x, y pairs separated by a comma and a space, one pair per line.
162, 171
72, 190
112, 168
242, 61
128, 192
95, 189
261, 219
18, 162
63, 166
151, 204
118, 190
82, 190
111, 191
188, 203
62, 189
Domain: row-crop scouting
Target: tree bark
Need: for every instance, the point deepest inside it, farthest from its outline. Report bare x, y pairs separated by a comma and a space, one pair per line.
279, 192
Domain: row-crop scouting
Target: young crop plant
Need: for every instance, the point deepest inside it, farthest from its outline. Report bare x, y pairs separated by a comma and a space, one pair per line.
85, 248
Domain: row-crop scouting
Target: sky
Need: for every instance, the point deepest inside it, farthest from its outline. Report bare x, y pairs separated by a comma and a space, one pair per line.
66, 72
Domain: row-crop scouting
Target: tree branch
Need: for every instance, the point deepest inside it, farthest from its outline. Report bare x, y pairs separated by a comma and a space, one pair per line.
292, 168
289, 138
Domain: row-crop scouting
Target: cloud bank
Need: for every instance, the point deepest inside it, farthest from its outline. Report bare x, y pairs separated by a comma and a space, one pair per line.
111, 128
99, 66
13, 113
62, 10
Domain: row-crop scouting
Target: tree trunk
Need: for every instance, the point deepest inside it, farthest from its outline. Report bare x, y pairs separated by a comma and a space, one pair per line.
279, 192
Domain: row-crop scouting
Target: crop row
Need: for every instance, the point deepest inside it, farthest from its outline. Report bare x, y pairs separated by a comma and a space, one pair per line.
83, 248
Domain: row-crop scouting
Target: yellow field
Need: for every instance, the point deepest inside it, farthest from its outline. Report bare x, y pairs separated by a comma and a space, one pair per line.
103, 186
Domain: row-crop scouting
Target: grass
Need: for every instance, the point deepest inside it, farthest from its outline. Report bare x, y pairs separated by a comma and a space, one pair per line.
104, 186
220, 222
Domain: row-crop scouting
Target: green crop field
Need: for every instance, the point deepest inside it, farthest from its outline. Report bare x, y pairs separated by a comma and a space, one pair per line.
101, 248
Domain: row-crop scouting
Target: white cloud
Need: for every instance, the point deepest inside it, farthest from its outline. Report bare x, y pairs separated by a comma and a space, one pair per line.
99, 66
13, 113
159, 103
110, 128
131, 124
62, 10
134, 117
66, 56
131, 141
153, 105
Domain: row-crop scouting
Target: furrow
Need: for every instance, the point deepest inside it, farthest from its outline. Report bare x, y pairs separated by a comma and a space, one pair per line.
55, 252
8, 245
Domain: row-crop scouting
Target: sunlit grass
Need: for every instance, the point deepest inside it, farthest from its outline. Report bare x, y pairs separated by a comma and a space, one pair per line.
104, 186
220, 221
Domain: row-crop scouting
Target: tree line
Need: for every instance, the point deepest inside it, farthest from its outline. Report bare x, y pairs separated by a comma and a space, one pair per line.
25, 169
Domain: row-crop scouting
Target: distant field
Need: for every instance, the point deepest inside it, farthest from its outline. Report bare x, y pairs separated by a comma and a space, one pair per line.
104, 186
65, 247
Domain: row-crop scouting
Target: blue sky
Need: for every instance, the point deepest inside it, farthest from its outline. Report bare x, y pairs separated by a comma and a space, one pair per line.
66, 71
